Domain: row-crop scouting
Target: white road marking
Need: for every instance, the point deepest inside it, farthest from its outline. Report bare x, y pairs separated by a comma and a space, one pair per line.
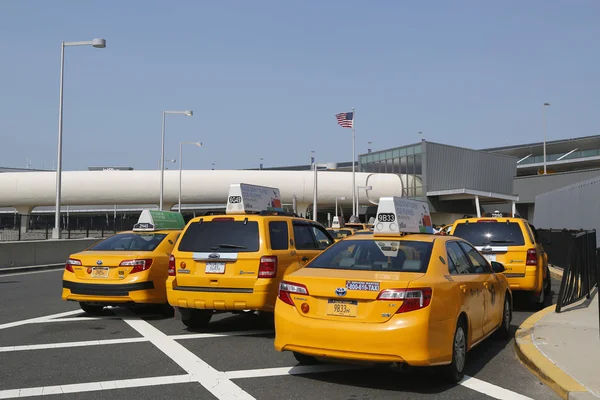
75, 319
218, 334
63, 345
214, 381
94, 386
297, 370
491, 390
45, 318
2, 276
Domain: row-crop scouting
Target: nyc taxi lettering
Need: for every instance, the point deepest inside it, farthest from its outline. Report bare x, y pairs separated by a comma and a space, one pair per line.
246, 272
364, 286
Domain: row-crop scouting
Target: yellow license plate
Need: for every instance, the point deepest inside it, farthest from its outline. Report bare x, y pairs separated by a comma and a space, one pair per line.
100, 272
342, 308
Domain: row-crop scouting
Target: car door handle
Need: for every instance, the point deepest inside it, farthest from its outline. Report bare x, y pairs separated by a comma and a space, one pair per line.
463, 288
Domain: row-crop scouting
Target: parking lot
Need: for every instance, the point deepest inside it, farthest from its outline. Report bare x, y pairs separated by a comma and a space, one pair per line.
49, 347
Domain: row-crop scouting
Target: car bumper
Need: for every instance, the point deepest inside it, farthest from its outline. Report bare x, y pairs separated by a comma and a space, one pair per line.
407, 338
139, 292
530, 281
221, 299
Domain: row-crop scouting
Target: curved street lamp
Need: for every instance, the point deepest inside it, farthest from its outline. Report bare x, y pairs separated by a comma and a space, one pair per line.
198, 144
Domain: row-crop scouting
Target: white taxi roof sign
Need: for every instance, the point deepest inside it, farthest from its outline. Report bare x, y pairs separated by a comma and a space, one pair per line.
398, 215
156, 220
244, 198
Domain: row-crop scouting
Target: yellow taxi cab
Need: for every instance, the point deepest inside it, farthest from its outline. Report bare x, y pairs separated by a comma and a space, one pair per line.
401, 295
130, 267
234, 262
515, 243
340, 233
357, 226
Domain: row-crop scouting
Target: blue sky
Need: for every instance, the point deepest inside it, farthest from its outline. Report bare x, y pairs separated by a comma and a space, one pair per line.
265, 78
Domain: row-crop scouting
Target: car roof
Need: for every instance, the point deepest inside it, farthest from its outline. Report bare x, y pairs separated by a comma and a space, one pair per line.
497, 219
415, 237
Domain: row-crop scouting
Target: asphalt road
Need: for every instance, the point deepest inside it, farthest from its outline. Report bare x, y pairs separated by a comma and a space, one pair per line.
48, 347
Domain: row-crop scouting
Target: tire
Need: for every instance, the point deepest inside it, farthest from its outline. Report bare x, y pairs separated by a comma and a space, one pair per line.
455, 371
91, 309
303, 359
503, 331
196, 319
548, 283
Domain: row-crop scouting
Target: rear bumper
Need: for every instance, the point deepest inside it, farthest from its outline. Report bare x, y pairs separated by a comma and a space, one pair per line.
530, 281
219, 298
139, 292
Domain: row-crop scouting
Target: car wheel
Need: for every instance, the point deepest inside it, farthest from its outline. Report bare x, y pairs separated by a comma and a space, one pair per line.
91, 309
548, 283
455, 371
303, 359
196, 318
504, 331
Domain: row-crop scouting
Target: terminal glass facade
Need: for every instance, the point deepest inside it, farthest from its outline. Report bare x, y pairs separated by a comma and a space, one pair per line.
405, 161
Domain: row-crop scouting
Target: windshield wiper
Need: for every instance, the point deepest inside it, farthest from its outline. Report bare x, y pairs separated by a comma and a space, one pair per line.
228, 246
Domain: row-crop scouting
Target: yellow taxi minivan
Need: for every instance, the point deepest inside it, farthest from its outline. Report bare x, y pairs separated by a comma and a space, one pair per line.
401, 295
130, 267
515, 243
234, 262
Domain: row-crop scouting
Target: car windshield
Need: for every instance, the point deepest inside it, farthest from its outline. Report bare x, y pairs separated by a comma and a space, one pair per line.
221, 235
130, 242
490, 233
339, 234
376, 255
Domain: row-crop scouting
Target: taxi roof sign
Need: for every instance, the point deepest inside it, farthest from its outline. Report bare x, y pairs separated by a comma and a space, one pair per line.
397, 215
244, 198
155, 220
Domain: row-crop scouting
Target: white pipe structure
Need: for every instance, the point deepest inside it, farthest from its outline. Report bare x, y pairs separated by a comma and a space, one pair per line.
33, 189
336, 204
198, 144
358, 195
316, 166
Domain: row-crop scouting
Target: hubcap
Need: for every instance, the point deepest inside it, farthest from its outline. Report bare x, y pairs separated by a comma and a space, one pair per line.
459, 349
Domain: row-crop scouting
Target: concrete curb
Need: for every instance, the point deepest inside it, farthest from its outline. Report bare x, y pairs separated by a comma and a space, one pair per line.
530, 356
12, 270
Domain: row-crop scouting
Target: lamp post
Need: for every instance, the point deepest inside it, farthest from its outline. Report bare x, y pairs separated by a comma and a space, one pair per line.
198, 144
173, 161
358, 195
260, 165
312, 157
544, 124
336, 204
162, 153
99, 44
316, 166
213, 166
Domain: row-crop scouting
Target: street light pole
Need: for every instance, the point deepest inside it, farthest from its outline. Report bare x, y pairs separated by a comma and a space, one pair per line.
99, 44
544, 124
353, 161
316, 166
162, 153
336, 204
198, 144
358, 195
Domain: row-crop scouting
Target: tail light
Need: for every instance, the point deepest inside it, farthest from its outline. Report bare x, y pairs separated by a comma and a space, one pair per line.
267, 267
223, 219
171, 265
413, 299
138, 265
532, 257
287, 288
487, 220
70, 262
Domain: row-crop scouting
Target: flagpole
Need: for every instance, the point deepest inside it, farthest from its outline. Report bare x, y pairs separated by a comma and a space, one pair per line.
354, 212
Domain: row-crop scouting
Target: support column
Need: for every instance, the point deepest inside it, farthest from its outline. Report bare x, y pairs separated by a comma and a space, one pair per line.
25, 215
514, 209
302, 208
478, 207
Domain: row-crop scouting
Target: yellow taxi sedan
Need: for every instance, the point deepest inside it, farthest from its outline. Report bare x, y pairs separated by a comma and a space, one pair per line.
397, 296
127, 268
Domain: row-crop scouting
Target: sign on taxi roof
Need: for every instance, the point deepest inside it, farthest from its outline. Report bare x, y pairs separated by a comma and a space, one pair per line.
397, 215
244, 198
155, 220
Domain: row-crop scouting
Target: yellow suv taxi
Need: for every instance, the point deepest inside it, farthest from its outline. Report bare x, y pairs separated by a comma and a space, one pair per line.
234, 262
514, 242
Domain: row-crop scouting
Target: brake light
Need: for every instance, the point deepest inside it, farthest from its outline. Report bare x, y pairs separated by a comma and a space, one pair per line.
138, 265
487, 220
532, 257
287, 288
70, 262
413, 299
267, 267
223, 219
171, 265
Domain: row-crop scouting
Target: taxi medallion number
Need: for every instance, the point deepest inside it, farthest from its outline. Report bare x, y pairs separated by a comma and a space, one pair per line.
215, 268
342, 308
100, 272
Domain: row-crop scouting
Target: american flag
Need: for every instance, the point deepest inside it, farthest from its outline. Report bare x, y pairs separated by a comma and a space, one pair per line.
345, 120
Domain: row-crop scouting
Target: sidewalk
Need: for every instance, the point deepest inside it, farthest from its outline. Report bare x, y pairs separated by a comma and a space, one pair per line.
563, 350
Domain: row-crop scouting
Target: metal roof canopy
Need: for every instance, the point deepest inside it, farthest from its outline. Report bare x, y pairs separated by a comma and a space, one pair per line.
464, 193
552, 147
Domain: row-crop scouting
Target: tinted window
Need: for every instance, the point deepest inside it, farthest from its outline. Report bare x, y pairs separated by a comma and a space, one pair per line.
323, 240
278, 233
340, 233
376, 255
304, 237
130, 241
478, 263
490, 233
457, 258
222, 236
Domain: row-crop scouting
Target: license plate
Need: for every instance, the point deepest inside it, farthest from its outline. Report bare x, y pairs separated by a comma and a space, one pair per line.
100, 272
490, 257
342, 308
215, 268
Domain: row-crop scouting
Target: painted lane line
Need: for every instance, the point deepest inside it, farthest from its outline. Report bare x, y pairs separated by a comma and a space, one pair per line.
63, 345
75, 319
491, 390
94, 386
2, 276
297, 370
39, 319
218, 334
214, 381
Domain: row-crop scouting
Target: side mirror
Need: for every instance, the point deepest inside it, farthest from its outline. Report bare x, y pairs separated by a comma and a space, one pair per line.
498, 267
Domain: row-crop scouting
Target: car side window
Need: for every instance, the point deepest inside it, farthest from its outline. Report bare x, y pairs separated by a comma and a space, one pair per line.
304, 238
457, 259
323, 239
278, 234
479, 264
535, 234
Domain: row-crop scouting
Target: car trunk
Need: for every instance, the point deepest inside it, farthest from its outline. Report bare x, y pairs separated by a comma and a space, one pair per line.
100, 266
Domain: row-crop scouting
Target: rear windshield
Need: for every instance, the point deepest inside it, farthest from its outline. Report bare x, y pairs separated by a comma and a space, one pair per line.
376, 255
222, 236
130, 241
339, 234
490, 233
